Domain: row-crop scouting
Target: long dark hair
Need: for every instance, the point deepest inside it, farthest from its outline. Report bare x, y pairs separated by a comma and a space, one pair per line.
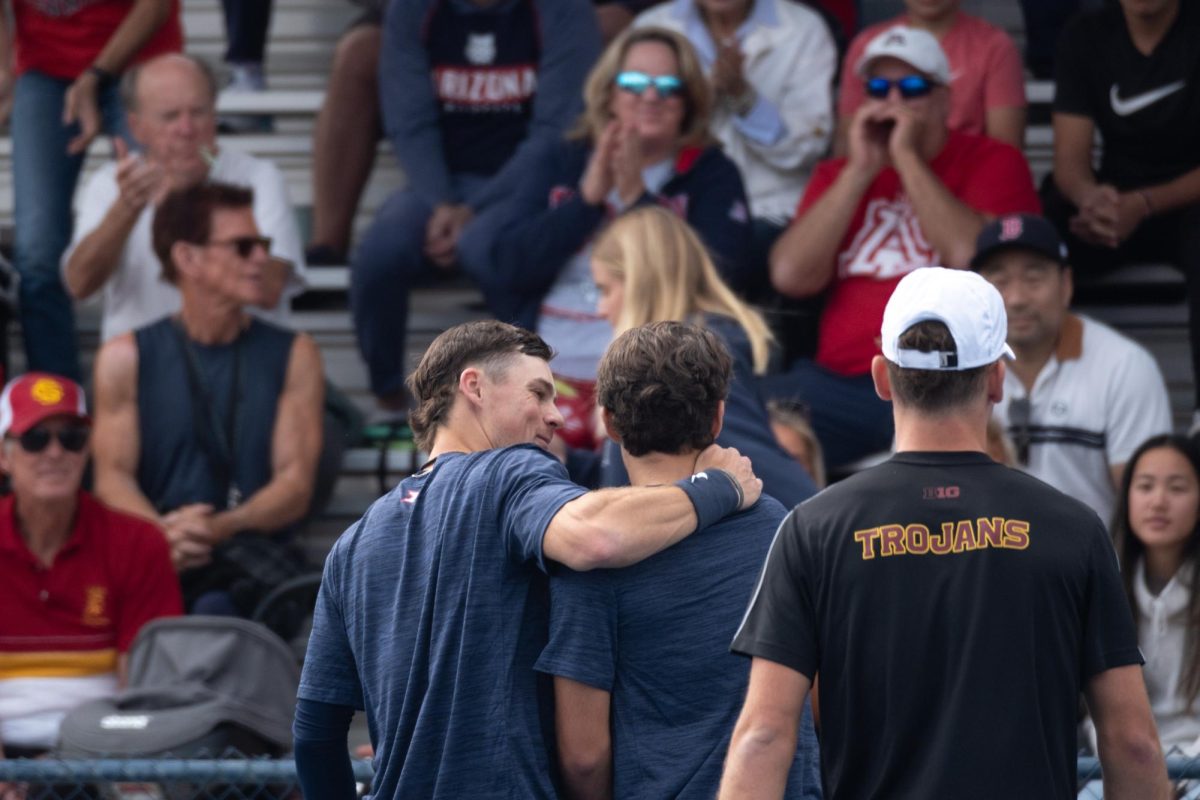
1130, 549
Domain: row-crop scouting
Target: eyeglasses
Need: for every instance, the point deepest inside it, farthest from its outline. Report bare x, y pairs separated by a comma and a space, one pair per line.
73, 438
638, 82
244, 245
1020, 418
910, 86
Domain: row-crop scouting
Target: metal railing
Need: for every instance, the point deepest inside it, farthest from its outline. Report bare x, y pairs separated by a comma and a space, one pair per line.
155, 779
274, 779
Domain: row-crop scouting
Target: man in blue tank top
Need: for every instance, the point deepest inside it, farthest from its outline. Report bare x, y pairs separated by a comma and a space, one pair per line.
433, 609
209, 421
646, 690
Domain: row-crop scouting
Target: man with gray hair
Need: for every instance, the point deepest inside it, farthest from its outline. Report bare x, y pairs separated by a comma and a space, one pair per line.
953, 608
171, 102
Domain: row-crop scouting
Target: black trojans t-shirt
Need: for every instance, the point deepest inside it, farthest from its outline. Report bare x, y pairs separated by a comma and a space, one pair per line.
953, 609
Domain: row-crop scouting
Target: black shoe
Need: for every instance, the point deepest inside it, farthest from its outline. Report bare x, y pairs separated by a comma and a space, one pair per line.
322, 255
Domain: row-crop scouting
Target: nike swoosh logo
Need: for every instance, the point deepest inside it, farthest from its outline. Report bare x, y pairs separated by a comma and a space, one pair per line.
1132, 105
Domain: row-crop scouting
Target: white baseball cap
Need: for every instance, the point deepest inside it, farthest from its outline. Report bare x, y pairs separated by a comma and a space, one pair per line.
917, 48
961, 300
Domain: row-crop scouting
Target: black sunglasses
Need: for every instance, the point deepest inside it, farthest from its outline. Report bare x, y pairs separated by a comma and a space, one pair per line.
244, 245
910, 86
73, 438
1020, 417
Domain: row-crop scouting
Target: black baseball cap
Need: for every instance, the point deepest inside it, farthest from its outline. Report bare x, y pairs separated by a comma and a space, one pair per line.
1019, 231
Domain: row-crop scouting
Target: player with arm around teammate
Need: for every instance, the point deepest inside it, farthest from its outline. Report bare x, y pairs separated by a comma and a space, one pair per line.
432, 608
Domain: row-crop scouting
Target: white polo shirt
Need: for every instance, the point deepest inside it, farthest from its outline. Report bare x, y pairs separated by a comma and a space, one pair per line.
136, 294
1099, 396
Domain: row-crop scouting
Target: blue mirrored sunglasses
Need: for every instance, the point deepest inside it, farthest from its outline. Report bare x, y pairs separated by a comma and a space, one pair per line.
910, 86
638, 82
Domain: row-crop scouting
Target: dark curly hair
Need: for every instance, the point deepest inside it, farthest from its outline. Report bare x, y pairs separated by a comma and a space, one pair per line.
434, 383
661, 384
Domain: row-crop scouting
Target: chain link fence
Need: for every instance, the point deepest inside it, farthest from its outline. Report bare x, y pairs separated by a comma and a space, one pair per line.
1183, 770
231, 777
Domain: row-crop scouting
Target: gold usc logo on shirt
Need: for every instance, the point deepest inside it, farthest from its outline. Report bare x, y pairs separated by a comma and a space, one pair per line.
94, 606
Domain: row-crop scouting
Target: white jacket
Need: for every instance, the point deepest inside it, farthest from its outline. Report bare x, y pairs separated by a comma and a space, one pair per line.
790, 60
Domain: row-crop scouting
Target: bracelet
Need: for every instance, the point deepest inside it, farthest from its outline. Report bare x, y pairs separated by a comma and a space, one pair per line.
715, 494
1146, 199
103, 76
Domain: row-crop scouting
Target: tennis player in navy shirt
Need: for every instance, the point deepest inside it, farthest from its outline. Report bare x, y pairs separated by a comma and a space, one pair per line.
432, 608
646, 689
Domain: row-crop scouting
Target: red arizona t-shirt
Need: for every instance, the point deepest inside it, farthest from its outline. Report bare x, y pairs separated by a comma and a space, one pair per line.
884, 241
61, 38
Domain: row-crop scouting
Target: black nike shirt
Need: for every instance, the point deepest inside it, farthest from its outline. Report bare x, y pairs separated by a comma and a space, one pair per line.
1147, 108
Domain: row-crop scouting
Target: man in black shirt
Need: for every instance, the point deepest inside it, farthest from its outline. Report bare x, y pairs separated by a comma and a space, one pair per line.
1131, 71
953, 608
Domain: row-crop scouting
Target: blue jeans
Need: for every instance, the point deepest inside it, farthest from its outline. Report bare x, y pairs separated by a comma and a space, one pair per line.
44, 179
389, 261
850, 420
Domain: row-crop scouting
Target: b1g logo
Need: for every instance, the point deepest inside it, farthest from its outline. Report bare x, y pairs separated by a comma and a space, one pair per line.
939, 493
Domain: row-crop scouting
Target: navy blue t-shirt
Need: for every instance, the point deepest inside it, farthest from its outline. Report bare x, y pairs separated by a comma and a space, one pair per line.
431, 613
656, 636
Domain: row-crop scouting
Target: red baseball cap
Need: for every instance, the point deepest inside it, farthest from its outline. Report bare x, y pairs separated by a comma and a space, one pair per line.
35, 396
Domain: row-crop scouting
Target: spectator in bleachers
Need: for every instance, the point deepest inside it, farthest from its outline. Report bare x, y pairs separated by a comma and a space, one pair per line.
771, 64
649, 266
986, 79
1079, 397
1130, 72
911, 193
247, 23
1157, 534
642, 140
432, 610
172, 114
77, 578
469, 88
646, 689
347, 131
793, 430
349, 124
209, 420
60, 85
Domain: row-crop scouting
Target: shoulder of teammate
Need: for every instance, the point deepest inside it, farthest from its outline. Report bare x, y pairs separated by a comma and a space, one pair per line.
767, 509
527, 459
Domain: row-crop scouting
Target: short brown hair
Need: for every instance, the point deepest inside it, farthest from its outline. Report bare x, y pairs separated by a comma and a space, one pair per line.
661, 384
434, 383
933, 391
186, 215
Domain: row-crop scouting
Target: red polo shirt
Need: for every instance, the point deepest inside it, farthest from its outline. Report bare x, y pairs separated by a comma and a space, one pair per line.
71, 619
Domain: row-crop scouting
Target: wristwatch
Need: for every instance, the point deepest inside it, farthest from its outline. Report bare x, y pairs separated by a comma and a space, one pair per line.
104, 78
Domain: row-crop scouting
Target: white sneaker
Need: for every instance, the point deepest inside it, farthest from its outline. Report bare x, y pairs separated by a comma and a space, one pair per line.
245, 79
